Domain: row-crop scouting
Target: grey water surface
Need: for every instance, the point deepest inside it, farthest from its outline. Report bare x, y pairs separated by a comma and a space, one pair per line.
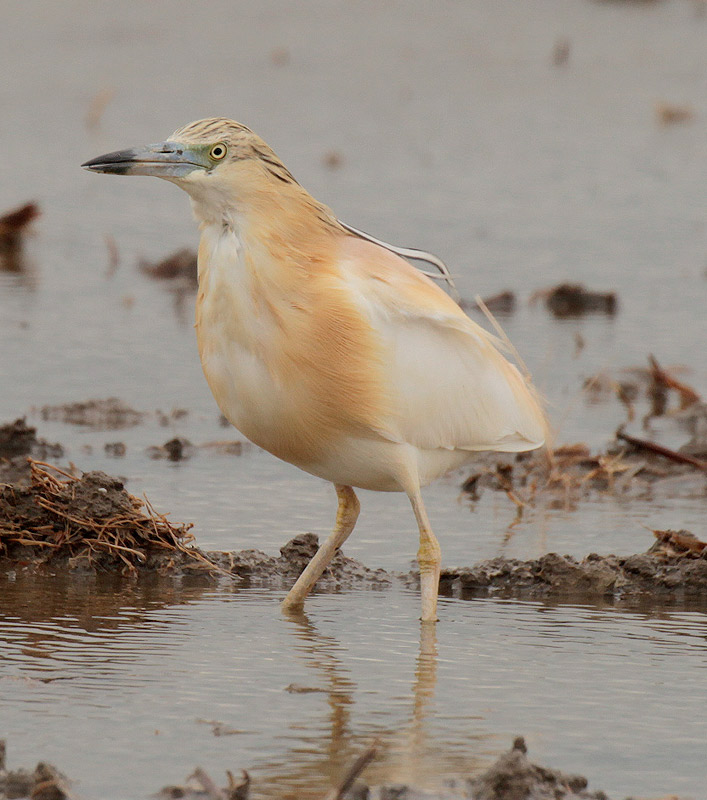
455, 132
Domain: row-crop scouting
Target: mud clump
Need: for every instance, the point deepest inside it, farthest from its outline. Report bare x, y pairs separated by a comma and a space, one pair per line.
44, 782
17, 441
89, 522
574, 300
260, 569
17, 438
674, 568
514, 777
176, 449
108, 414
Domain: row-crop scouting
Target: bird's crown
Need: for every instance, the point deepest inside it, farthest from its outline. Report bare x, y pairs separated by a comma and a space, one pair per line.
232, 141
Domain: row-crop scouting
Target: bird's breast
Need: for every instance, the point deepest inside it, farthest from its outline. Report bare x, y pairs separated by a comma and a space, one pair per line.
289, 360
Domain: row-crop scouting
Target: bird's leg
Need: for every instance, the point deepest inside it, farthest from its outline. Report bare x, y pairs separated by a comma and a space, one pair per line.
429, 557
346, 517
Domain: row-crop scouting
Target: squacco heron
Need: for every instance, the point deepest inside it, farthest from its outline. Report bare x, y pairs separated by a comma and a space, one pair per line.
324, 346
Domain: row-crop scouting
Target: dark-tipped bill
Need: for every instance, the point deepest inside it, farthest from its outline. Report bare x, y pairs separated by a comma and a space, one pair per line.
163, 160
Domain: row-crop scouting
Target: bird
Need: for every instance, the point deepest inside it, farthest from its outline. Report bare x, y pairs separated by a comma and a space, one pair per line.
325, 346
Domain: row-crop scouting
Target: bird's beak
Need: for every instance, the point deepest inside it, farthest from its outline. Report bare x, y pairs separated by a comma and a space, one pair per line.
163, 160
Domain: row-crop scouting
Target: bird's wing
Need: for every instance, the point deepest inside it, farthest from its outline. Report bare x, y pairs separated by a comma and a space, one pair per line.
448, 384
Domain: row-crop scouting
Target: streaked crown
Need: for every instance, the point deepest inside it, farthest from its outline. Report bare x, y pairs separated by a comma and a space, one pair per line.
240, 141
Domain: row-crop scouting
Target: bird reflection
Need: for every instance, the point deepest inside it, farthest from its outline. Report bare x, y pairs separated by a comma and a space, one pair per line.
406, 753
321, 654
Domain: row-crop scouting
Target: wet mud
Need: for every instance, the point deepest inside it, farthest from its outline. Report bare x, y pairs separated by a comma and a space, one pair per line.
256, 568
17, 441
90, 522
673, 571
511, 777
108, 414
60, 521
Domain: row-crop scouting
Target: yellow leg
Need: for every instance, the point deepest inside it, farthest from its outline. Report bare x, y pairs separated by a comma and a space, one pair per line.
346, 517
429, 557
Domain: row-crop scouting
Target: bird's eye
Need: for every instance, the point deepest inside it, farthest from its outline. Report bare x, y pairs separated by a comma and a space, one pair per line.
218, 151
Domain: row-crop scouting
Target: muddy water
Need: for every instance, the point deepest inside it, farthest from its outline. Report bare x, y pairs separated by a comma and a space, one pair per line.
457, 134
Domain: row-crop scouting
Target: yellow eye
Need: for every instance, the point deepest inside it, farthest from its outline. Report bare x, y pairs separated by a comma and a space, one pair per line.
218, 151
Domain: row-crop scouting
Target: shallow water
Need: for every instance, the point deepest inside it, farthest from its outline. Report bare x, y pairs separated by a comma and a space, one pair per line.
457, 134
133, 676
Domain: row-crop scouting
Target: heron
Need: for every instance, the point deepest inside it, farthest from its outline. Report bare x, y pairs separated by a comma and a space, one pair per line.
325, 346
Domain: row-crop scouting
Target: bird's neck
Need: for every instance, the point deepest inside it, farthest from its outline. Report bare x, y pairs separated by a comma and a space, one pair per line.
284, 237
266, 214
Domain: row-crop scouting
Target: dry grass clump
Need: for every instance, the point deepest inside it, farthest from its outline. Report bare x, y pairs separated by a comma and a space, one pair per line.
91, 519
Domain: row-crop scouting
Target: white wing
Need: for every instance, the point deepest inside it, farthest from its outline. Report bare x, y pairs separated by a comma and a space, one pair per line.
448, 384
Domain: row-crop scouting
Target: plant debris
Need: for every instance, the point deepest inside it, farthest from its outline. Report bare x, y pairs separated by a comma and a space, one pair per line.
573, 300
97, 107
560, 478
219, 728
90, 522
227, 447
666, 452
14, 225
333, 159
665, 393
678, 544
200, 786
347, 782
108, 414
179, 266
561, 52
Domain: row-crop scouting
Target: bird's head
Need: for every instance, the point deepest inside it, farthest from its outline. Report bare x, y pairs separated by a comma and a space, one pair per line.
219, 162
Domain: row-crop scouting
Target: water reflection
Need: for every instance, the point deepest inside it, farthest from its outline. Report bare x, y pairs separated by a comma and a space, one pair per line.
115, 661
408, 752
83, 628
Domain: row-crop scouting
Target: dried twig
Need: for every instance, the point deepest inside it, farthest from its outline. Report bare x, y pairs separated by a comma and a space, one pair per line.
688, 395
207, 784
660, 450
354, 771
